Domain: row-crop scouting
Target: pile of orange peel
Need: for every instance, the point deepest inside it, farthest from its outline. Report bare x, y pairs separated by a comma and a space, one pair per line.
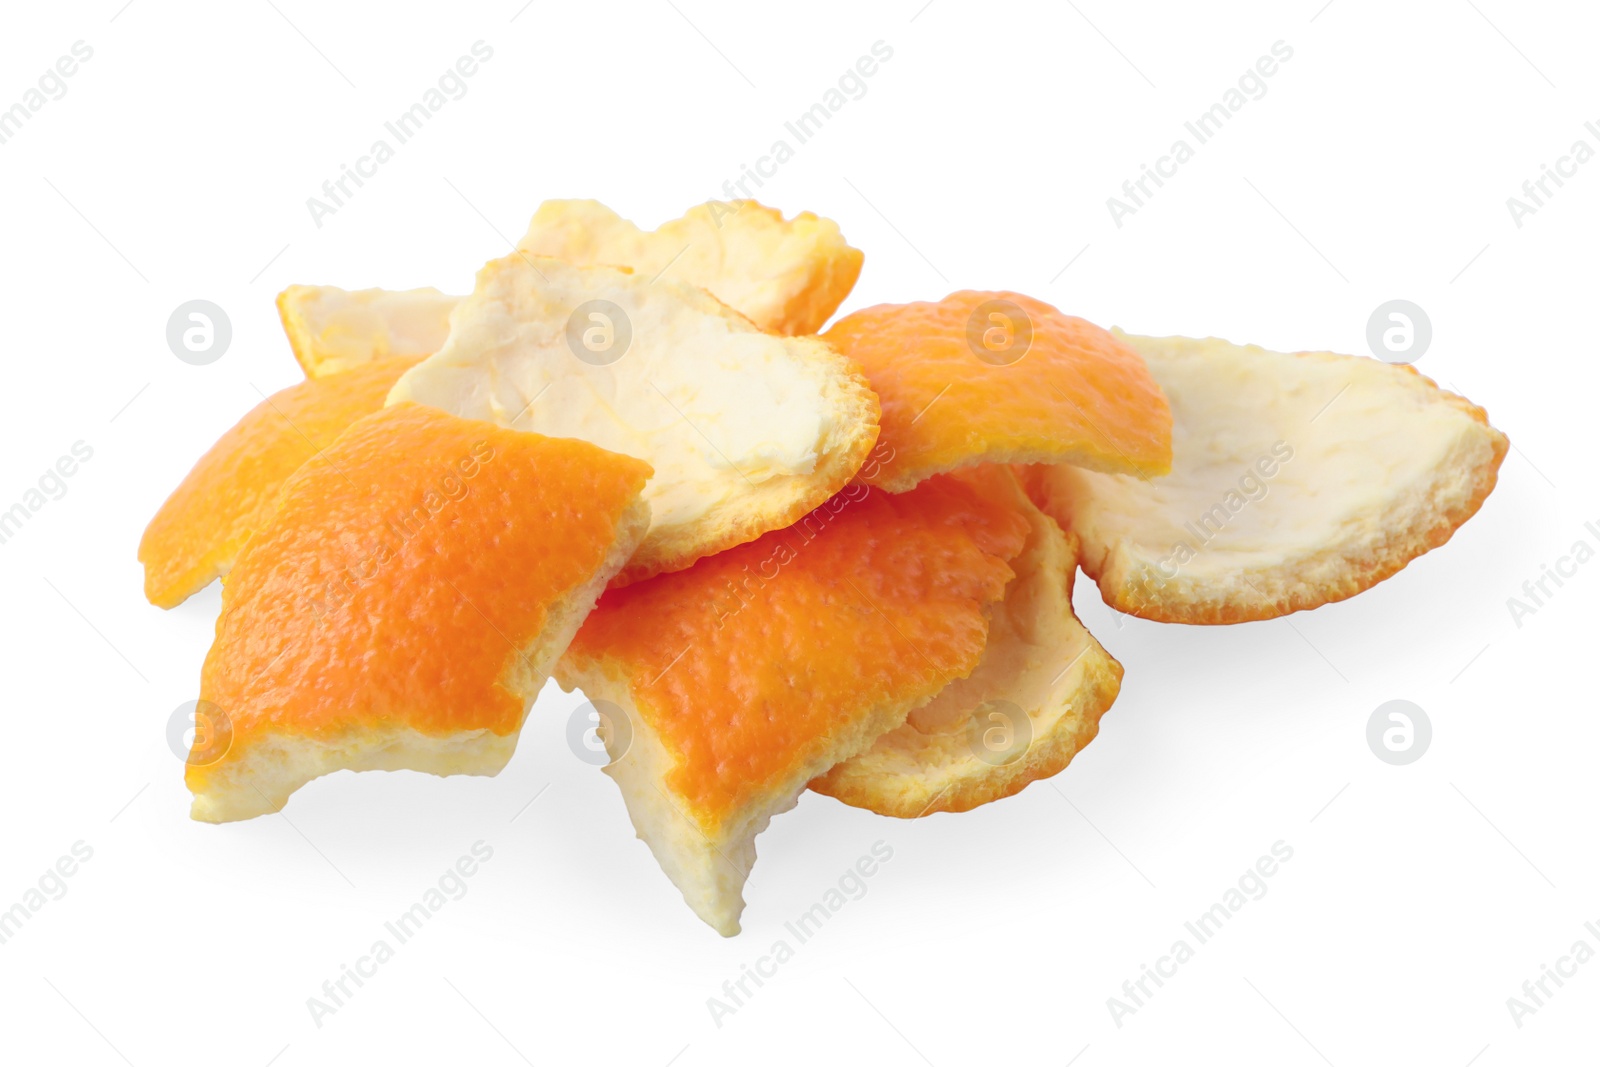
771, 559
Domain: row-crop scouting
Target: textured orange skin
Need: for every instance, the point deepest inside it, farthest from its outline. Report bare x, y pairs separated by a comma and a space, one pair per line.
204, 524
1079, 395
433, 626
873, 600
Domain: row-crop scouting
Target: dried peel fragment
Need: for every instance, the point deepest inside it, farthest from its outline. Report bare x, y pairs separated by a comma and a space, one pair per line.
1003, 378
203, 526
754, 671
332, 329
406, 602
1033, 702
785, 275
746, 431
1297, 480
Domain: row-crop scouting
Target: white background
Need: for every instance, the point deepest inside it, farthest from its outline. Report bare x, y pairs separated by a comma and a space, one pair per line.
1377, 166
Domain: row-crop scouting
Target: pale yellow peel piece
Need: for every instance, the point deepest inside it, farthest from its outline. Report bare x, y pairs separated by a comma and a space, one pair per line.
786, 275
1034, 701
332, 329
1297, 480
746, 431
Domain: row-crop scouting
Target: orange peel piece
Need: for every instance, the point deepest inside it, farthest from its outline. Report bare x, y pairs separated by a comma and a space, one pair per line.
746, 431
1033, 702
751, 673
1002, 378
333, 330
202, 527
405, 604
786, 275
1297, 480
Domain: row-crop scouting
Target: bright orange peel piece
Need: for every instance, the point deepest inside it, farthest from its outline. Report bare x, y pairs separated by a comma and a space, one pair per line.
405, 604
1297, 480
1033, 702
1003, 378
200, 530
754, 671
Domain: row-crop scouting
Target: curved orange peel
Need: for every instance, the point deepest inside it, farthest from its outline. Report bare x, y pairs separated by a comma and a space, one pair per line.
1003, 378
405, 603
754, 671
746, 431
1297, 480
201, 528
1033, 702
